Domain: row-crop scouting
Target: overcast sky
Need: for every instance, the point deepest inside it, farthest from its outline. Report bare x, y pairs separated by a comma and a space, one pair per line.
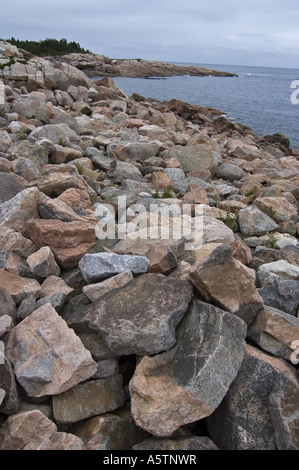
237, 32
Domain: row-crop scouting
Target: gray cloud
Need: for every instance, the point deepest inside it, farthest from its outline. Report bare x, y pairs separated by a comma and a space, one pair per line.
255, 32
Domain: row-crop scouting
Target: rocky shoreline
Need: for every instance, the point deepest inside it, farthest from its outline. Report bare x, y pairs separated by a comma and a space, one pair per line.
115, 333
102, 66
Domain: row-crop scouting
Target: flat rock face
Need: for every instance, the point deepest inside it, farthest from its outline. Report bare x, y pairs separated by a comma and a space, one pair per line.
215, 231
133, 150
226, 282
283, 295
24, 428
47, 356
280, 209
95, 291
18, 287
274, 331
162, 258
118, 425
92, 398
19, 209
253, 221
194, 158
15, 242
139, 318
10, 186
42, 263
34, 152
188, 382
99, 266
228, 171
69, 241
253, 413
278, 270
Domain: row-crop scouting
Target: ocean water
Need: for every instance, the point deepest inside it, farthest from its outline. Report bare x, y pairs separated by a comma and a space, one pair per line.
260, 97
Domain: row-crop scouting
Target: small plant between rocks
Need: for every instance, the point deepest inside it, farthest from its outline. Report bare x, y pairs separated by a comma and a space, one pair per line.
230, 221
272, 240
167, 194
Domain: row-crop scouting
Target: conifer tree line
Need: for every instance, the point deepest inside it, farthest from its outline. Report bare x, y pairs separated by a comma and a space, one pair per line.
48, 46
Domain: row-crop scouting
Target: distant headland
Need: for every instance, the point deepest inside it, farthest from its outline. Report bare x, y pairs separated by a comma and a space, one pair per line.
59, 51
100, 65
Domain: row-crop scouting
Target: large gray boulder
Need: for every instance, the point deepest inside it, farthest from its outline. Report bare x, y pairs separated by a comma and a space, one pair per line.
224, 281
31, 150
133, 150
47, 356
15, 212
10, 186
260, 410
229, 171
283, 294
188, 382
139, 318
56, 133
253, 221
193, 157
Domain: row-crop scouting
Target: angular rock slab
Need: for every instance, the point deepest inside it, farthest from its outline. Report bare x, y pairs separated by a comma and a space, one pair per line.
280, 209
162, 258
227, 283
25, 427
95, 291
194, 158
94, 397
260, 410
10, 186
47, 356
59, 441
100, 266
283, 295
188, 382
15, 242
253, 221
42, 263
119, 425
274, 331
139, 318
278, 270
22, 207
18, 287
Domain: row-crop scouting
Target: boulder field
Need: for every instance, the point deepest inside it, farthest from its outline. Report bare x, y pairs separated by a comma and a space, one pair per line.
149, 271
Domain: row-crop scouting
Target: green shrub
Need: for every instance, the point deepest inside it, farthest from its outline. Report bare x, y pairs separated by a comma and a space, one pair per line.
21, 134
270, 243
165, 195
271, 212
230, 220
251, 192
62, 142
